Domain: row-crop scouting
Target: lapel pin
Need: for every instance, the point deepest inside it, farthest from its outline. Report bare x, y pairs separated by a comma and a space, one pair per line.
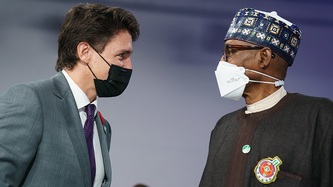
104, 128
246, 149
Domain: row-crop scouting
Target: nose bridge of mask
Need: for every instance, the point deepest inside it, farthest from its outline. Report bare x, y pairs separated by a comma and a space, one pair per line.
118, 73
229, 66
230, 78
277, 83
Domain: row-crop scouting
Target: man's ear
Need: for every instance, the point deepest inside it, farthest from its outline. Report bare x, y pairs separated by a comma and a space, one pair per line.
265, 57
83, 51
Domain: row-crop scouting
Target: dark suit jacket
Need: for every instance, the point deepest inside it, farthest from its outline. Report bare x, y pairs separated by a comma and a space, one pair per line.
42, 142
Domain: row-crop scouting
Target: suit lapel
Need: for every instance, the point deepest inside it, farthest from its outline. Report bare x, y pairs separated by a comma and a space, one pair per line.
103, 141
69, 111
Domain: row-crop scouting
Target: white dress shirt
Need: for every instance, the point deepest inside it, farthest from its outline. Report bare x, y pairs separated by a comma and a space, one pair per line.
82, 100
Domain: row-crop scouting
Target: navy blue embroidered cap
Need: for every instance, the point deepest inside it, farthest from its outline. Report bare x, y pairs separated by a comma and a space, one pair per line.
267, 30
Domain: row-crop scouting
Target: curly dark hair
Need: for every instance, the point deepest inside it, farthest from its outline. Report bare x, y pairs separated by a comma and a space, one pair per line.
95, 24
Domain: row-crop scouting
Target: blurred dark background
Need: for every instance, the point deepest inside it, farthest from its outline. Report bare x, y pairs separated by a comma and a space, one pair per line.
162, 123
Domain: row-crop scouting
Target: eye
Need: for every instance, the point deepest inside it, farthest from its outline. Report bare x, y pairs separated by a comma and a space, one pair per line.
231, 51
122, 56
227, 52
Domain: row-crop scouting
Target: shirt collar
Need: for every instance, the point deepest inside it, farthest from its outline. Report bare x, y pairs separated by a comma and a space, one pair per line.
267, 102
80, 97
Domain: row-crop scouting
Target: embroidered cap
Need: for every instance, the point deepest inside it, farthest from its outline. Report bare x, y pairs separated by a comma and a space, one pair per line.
267, 30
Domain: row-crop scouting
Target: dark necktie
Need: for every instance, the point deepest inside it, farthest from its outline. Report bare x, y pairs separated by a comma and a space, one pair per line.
88, 131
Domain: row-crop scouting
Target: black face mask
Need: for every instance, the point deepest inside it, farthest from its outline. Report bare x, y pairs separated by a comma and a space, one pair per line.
115, 84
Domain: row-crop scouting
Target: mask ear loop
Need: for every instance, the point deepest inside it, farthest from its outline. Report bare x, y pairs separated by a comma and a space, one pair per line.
100, 55
92, 71
276, 83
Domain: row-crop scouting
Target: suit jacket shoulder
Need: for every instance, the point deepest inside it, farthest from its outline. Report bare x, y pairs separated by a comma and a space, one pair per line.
41, 137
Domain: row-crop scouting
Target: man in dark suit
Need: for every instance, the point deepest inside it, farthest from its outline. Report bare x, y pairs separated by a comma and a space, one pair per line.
47, 135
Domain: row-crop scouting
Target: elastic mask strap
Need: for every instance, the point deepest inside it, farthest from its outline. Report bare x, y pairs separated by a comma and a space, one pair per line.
276, 83
92, 71
100, 55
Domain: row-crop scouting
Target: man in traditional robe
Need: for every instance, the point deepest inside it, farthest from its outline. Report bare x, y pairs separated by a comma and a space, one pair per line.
279, 138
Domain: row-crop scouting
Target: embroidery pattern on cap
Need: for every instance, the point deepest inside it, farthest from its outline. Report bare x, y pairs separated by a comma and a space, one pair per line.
264, 30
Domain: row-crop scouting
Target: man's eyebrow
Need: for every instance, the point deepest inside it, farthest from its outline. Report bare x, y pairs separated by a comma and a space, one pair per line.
127, 51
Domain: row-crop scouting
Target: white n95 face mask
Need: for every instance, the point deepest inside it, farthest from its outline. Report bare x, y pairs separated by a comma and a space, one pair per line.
232, 80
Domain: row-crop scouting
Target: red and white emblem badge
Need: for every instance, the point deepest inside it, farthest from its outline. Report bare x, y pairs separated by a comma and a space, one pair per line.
267, 169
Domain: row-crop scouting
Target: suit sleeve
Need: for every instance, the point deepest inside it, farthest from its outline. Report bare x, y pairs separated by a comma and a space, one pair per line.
324, 163
20, 133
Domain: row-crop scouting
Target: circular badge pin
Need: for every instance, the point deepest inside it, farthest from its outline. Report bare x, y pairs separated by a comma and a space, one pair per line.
104, 128
246, 149
267, 169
